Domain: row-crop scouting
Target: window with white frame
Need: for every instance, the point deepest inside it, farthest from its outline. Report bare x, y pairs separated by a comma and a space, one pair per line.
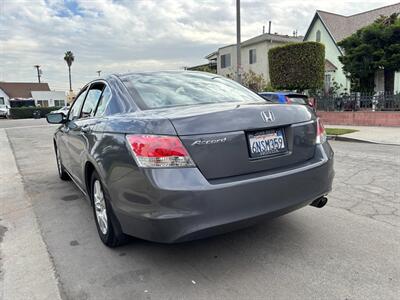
43, 103
252, 56
59, 103
225, 60
318, 36
1, 100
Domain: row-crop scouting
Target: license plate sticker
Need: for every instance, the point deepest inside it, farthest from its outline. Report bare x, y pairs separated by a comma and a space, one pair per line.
266, 143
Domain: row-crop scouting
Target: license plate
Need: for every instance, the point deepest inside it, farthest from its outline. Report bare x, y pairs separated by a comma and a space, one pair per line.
268, 142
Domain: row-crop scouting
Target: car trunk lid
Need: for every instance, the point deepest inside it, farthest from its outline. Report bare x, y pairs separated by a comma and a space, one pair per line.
217, 136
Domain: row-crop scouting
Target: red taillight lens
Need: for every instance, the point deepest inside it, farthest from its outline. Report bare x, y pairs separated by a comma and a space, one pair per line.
321, 134
152, 151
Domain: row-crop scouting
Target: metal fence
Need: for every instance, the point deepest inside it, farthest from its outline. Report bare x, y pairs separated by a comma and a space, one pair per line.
359, 102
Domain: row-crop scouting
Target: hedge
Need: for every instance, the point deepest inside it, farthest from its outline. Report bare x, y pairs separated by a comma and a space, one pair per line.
27, 112
297, 66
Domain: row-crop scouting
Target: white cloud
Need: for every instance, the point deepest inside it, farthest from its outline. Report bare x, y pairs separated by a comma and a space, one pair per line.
121, 36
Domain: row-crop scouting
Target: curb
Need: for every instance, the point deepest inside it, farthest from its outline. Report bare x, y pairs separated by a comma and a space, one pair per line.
349, 139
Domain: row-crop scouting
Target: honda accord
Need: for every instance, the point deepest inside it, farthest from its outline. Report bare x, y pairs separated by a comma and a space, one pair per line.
180, 155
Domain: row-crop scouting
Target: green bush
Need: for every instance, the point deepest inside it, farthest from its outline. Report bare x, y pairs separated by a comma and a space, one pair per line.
27, 112
297, 66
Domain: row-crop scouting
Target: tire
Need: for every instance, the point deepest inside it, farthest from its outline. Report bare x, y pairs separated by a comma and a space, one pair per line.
108, 227
61, 170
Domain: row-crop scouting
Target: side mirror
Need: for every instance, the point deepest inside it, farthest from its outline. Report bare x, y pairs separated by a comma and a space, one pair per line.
56, 118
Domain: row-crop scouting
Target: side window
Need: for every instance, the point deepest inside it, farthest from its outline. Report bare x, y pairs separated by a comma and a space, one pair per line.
318, 36
252, 56
92, 99
76, 106
105, 98
225, 60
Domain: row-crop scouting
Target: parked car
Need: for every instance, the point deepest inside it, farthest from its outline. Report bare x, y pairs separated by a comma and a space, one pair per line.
286, 97
176, 156
4, 111
63, 110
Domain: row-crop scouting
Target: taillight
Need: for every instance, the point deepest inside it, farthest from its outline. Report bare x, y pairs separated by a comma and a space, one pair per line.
158, 151
321, 134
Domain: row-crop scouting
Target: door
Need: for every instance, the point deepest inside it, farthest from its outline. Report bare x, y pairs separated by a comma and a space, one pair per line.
63, 140
81, 136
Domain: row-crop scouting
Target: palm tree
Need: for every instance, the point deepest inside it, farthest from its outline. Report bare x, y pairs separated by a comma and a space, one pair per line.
69, 58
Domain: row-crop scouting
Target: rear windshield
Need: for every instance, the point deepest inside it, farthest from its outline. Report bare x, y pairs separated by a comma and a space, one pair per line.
159, 90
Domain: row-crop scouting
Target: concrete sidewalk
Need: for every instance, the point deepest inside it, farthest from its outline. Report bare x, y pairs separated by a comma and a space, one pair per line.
26, 269
377, 135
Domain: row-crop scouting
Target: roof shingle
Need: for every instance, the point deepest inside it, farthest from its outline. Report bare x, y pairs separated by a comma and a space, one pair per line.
343, 26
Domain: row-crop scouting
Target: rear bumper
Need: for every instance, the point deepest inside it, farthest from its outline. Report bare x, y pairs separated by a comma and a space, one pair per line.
174, 205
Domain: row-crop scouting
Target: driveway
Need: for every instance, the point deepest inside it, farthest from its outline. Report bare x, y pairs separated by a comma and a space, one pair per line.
346, 250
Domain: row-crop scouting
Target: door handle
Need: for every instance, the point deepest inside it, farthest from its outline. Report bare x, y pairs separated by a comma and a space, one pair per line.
85, 128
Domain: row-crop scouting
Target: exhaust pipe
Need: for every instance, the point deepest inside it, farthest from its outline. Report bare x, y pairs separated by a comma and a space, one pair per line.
320, 202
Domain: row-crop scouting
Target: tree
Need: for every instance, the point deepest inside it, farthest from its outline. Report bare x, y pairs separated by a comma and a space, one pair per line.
297, 66
370, 49
69, 59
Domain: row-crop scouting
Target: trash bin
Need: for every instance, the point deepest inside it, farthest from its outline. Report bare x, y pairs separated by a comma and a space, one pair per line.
36, 114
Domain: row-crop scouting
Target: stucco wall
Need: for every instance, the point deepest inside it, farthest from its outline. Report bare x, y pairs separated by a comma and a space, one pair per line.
332, 53
49, 96
229, 70
260, 67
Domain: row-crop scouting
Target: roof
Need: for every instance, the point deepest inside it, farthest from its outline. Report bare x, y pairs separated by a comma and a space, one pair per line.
22, 89
340, 26
211, 55
279, 38
273, 38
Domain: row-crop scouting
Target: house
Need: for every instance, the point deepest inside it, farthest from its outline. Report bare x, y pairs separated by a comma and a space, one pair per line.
330, 28
40, 93
254, 54
19, 90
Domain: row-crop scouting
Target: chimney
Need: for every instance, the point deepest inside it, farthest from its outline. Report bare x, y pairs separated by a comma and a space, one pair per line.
269, 27
263, 29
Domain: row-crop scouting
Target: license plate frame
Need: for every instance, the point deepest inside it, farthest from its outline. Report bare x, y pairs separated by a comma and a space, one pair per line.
272, 149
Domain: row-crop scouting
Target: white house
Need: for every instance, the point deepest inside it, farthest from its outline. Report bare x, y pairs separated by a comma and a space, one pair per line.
19, 90
49, 98
330, 28
254, 54
39, 92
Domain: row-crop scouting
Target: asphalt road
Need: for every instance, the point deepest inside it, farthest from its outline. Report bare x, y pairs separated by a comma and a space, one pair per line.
346, 250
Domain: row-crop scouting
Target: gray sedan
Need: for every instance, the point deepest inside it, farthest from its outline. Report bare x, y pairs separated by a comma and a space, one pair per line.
175, 156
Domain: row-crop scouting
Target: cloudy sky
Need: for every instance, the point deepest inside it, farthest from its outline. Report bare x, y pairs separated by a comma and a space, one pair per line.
131, 35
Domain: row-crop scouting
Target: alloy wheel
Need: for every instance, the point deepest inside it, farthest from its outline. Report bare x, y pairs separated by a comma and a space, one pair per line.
100, 207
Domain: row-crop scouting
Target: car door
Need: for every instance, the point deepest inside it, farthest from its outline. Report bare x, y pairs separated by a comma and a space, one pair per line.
63, 136
82, 136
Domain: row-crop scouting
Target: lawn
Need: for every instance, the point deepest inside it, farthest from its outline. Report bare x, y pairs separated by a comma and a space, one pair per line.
338, 131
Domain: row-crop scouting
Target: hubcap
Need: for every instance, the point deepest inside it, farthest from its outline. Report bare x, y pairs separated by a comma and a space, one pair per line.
100, 207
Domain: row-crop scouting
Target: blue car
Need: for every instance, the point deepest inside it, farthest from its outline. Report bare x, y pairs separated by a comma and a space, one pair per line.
286, 97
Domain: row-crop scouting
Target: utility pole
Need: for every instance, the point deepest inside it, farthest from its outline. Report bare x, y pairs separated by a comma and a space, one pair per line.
238, 53
38, 72
98, 72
